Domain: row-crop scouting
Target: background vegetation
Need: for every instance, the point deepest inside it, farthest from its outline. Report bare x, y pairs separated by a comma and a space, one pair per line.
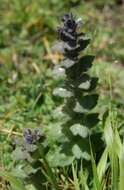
27, 33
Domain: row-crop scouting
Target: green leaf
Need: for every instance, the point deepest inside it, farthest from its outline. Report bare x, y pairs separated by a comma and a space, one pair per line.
80, 130
18, 171
18, 154
84, 82
79, 108
83, 42
85, 62
67, 63
91, 120
79, 152
58, 72
80, 148
89, 101
83, 65
56, 157
85, 85
14, 181
61, 92
94, 81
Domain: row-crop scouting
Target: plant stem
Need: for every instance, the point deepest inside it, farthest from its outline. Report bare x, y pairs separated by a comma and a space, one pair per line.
50, 173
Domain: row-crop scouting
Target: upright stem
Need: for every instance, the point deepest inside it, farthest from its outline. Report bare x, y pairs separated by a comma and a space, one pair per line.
48, 169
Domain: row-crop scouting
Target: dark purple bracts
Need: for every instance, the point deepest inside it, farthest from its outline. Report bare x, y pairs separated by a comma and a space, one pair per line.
67, 32
31, 136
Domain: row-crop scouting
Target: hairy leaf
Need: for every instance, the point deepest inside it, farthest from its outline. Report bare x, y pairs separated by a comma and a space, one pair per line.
89, 101
80, 130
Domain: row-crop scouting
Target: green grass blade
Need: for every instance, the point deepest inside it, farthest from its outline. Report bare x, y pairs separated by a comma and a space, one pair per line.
121, 165
108, 133
101, 168
114, 170
83, 182
76, 183
96, 181
83, 178
117, 143
116, 152
114, 146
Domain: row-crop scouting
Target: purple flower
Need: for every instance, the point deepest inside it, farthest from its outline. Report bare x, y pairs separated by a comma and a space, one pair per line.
31, 136
69, 23
67, 32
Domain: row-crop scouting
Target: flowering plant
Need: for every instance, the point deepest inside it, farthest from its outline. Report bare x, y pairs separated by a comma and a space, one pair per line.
78, 91
78, 123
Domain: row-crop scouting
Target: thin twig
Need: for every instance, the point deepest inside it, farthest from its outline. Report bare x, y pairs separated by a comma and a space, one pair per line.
6, 131
54, 57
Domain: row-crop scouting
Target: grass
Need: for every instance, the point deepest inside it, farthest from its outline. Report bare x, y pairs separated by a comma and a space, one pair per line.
27, 32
